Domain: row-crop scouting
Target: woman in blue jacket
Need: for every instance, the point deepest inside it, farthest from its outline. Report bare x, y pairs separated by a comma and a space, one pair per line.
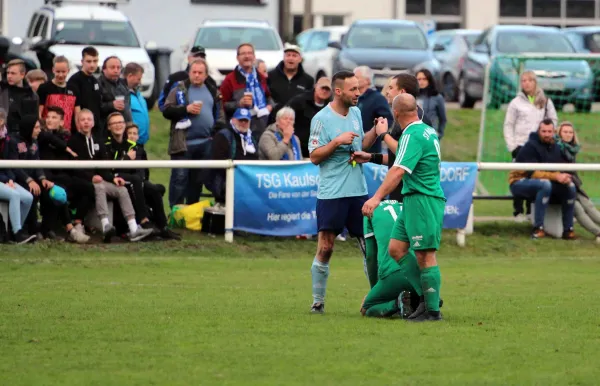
431, 101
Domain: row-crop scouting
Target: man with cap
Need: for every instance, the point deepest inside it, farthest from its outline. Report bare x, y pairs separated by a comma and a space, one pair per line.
288, 79
236, 142
306, 106
195, 53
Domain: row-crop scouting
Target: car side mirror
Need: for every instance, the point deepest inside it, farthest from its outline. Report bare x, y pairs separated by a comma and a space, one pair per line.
482, 49
438, 47
335, 45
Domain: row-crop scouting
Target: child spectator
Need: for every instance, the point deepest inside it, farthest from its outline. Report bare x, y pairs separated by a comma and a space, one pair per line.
35, 78
120, 148
42, 188
19, 199
106, 184
153, 193
57, 93
80, 194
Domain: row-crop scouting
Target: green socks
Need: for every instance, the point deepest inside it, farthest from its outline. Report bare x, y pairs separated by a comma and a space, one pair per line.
431, 282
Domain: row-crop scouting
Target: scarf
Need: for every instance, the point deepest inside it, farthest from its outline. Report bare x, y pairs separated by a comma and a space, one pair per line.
247, 143
569, 150
185, 122
295, 148
258, 95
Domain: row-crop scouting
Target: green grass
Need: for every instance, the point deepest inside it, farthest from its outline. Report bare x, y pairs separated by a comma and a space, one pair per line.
205, 312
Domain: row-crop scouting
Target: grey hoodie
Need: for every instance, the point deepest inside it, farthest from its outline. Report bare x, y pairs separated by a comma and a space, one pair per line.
270, 148
523, 118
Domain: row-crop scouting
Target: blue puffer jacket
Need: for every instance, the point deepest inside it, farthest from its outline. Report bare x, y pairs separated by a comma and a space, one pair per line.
139, 113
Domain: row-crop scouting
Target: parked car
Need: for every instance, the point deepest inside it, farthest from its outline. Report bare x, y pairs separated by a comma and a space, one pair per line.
388, 47
220, 39
317, 54
586, 40
564, 80
65, 29
449, 48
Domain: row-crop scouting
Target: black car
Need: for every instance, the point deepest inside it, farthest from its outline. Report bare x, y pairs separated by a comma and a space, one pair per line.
388, 47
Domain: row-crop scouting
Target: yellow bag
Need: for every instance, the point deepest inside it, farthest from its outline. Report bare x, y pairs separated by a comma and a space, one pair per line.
188, 216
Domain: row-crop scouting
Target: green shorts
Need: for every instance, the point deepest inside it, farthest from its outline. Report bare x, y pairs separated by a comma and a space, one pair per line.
381, 300
420, 222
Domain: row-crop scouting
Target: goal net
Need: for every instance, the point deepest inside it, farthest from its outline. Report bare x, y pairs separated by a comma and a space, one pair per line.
573, 84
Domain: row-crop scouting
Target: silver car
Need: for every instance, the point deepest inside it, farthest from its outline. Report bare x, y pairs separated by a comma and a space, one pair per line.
449, 48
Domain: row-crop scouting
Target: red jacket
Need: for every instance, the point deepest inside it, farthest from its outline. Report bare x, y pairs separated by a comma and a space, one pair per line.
233, 88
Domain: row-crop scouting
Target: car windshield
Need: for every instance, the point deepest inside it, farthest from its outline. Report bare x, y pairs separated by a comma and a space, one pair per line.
391, 37
470, 38
95, 32
229, 38
536, 42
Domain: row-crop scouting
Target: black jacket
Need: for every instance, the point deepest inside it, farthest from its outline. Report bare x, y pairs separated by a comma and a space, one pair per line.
18, 102
141, 155
28, 149
305, 109
8, 151
87, 89
79, 144
284, 89
109, 91
53, 147
118, 152
396, 133
535, 151
176, 77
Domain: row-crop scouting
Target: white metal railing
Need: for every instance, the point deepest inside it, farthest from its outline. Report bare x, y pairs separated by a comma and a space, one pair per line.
230, 166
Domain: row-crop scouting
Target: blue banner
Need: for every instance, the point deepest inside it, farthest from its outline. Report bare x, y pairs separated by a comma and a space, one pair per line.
280, 200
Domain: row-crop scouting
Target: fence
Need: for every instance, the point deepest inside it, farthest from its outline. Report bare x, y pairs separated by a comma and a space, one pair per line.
571, 80
230, 166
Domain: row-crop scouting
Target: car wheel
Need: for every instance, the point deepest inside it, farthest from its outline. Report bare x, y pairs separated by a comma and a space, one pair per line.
464, 99
450, 88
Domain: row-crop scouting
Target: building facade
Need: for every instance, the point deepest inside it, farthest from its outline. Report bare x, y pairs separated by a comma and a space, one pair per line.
448, 14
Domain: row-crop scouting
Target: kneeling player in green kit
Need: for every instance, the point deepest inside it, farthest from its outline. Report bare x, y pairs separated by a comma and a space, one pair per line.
387, 278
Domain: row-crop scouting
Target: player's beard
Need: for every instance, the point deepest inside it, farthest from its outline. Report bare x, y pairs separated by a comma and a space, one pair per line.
349, 101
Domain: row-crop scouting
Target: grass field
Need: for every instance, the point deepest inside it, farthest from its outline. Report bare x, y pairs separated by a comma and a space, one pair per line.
203, 312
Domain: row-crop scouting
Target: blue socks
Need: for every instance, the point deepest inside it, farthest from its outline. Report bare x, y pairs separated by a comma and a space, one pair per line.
320, 273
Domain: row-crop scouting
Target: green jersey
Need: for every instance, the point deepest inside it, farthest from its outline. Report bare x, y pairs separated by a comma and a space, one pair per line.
419, 155
380, 227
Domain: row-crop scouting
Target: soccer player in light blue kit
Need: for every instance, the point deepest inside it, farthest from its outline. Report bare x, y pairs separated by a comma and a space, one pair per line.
335, 145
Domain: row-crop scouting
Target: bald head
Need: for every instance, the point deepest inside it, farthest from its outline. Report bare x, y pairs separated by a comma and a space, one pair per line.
404, 108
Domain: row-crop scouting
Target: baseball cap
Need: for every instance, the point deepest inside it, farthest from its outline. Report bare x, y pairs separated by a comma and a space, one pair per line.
292, 47
242, 114
197, 51
58, 195
323, 82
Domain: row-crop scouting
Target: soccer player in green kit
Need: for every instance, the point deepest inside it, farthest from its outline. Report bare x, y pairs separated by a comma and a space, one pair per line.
388, 279
419, 225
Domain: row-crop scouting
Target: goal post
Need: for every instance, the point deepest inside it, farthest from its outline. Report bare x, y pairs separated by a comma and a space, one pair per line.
571, 81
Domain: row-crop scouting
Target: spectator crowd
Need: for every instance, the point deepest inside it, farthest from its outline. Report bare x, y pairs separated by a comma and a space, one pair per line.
254, 114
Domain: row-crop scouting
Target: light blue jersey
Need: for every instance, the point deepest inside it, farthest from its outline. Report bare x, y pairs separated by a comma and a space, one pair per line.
337, 177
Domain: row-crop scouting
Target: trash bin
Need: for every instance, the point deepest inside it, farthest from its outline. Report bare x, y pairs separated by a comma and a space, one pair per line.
161, 59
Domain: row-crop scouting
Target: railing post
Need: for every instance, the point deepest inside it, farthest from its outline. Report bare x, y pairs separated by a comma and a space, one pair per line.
229, 186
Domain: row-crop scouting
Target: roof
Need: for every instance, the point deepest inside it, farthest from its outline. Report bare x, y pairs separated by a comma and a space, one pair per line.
385, 22
589, 28
236, 23
85, 12
525, 28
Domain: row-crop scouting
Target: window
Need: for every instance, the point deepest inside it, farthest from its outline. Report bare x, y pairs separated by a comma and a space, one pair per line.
524, 41
31, 25
415, 7
442, 26
581, 8
329, 20
445, 7
229, 38
592, 41
231, 2
95, 32
515, 8
38, 26
393, 37
545, 8
44, 28
471, 38
297, 23
318, 41
303, 38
